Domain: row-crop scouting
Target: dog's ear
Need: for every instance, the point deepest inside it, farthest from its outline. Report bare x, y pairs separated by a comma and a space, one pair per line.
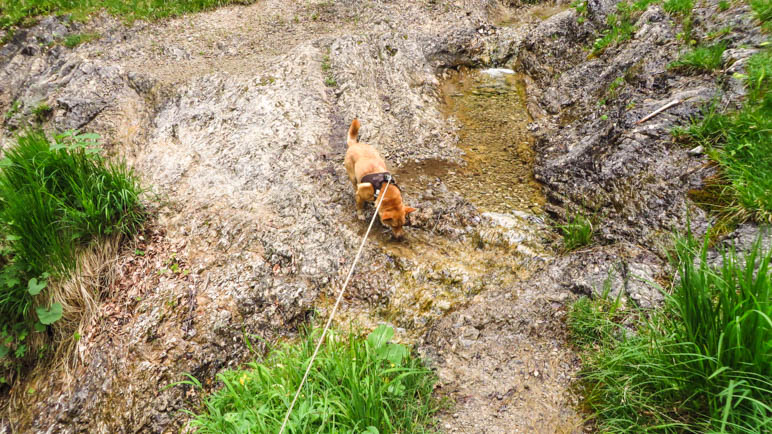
409, 209
365, 191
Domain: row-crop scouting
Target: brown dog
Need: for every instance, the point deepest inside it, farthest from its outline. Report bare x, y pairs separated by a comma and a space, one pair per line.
367, 172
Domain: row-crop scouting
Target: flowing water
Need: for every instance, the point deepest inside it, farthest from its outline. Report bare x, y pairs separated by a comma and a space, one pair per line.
434, 273
497, 176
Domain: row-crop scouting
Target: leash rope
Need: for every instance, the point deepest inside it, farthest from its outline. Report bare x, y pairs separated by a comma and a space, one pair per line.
334, 309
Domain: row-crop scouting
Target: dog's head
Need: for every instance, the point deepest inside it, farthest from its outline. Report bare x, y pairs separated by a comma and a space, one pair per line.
392, 212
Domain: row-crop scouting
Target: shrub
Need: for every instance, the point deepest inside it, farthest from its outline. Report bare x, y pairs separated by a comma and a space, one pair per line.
356, 385
702, 364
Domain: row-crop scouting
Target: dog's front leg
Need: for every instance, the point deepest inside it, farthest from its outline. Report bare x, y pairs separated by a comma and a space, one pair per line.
364, 192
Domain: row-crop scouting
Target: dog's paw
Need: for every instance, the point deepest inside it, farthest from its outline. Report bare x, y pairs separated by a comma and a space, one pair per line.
361, 216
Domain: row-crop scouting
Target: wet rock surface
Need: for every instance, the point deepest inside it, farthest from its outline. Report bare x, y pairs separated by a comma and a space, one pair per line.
237, 118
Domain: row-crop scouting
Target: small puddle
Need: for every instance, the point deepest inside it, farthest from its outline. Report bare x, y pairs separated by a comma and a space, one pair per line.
497, 176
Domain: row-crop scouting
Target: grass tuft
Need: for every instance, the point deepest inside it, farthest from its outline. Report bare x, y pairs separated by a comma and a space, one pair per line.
13, 110
702, 364
55, 199
73, 41
577, 232
678, 7
356, 385
740, 142
621, 24
700, 59
41, 112
763, 11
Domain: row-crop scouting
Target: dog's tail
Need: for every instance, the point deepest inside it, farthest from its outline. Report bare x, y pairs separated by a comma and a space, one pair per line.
353, 132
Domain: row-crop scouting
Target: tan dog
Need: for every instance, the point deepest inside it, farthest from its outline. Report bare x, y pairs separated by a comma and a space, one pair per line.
367, 172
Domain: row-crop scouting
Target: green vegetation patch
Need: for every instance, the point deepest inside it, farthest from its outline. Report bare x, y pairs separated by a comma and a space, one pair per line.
55, 198
13, 110
581, 10
763, 11
700, 59
621, 24
41, 112
16, 12
73, 41
355, 385
577, 232
701, 364
740, 142
678, 7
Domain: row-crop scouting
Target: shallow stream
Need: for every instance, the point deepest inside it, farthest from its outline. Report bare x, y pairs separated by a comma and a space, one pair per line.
436, 274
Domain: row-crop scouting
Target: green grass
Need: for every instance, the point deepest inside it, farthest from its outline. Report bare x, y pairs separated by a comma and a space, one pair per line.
723, 5
740, 142
678, 7
621, 24
356, 385
581, 10
22, 12
577, 232
55, 198
329, 79
682, 9
700, 59
612, 90
759, 80
763, 11
595, 320
720, 32
73, 41
701, 364
15, 106
41, 112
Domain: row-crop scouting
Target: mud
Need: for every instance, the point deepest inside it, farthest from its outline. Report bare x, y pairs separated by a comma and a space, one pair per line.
237, 118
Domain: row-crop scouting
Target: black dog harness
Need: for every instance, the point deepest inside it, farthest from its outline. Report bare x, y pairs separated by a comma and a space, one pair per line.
377, 180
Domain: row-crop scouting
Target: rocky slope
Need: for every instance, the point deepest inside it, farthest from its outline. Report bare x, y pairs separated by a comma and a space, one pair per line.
237, 118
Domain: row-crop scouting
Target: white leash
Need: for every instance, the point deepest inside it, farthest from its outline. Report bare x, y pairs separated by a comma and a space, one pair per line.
334, 309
